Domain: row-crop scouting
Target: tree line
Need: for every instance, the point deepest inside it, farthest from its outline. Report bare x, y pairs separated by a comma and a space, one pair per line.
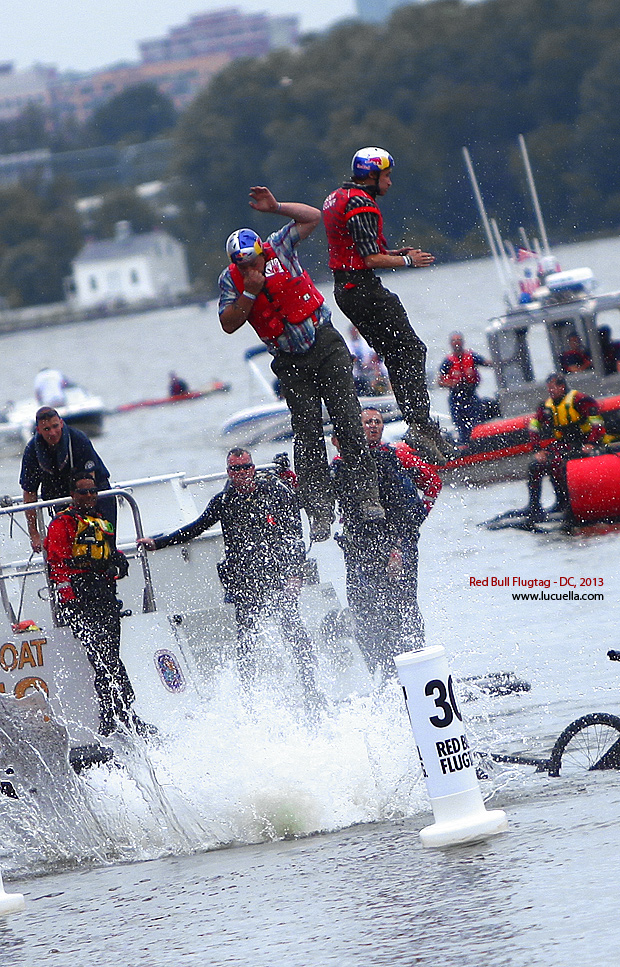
433, 78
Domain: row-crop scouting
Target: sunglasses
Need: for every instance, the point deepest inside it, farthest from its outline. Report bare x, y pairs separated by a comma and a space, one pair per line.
240, 466
86, 490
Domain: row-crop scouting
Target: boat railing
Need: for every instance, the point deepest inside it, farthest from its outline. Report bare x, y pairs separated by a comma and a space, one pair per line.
214, 477
148, 481
21, 570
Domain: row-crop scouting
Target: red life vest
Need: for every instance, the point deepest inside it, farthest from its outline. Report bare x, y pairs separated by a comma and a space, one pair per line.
463, 368
284, 298
343, 253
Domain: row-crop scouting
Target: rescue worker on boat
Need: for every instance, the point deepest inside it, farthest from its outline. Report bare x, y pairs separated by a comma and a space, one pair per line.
84, 565
357, 249
264, 557
574, 423
459, 374
266, 286
575, 359
381, 559
49, 461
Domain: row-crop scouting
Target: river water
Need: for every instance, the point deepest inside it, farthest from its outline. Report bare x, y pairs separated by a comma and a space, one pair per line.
324, 864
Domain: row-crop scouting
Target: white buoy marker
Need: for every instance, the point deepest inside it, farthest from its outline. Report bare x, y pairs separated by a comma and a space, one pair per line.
445, 754
10, 902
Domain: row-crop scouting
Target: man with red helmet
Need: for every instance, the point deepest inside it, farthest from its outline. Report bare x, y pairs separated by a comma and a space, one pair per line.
266, 286
357, 249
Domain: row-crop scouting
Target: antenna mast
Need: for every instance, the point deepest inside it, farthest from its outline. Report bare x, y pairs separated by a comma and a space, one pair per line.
495, 252
534, 194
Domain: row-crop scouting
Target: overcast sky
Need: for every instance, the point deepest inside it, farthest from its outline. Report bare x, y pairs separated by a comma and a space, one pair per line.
86, 34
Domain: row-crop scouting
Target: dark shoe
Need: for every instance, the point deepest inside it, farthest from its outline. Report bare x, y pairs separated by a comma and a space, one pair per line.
560, 507
371, 511
535, 515
144, 729
427, 448
320, 529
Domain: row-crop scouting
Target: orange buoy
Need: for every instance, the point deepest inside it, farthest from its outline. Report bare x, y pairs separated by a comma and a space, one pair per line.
594, 487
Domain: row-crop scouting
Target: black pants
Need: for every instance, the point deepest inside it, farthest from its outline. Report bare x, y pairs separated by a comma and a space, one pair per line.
466, 410
385, 609
324, 373
253, 601
381, 319
94, 619
556, 455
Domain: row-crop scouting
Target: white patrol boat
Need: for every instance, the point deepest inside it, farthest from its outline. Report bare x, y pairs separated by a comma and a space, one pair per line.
544, 307
178, 635
178, 644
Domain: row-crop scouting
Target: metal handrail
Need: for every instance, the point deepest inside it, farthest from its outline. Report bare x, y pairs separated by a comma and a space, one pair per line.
222, 475
148, 597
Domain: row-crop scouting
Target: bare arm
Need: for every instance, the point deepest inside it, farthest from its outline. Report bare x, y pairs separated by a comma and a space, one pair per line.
236, 314
413, 258
31, 520
306, 217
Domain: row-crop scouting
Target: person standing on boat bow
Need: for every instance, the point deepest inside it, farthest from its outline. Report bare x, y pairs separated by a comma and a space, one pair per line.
49, 460
459, 374
264, 556
266, 286
357, 249
574, 422
84, 565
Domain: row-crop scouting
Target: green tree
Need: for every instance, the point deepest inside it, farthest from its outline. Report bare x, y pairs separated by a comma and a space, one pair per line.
24, 133
122, 205
435, 77
139, 113
39, 236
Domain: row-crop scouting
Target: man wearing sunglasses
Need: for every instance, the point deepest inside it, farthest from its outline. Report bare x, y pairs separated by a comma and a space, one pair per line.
264, 556
266, 286
51, 457
84, 565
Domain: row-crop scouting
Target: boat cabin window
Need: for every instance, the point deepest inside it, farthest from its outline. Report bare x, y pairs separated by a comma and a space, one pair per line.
544, 361
570, 342
608, 327
510, 352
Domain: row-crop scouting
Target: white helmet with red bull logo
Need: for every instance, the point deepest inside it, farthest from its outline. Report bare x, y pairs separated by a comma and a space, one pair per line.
243, 246
369, 161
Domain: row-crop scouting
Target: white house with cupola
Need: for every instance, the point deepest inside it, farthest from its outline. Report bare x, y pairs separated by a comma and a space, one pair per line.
127, 269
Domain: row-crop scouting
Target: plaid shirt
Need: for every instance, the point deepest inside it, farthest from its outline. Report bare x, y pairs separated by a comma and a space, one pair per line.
295, 339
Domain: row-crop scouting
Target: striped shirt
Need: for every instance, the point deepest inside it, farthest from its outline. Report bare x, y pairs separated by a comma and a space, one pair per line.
295, 339
364, 227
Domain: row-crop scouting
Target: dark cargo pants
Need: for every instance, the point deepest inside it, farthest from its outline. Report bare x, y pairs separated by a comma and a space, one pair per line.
324, 374
380, 317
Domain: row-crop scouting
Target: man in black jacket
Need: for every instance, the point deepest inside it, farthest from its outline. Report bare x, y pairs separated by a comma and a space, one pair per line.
50, 460
263, 561
382, 558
